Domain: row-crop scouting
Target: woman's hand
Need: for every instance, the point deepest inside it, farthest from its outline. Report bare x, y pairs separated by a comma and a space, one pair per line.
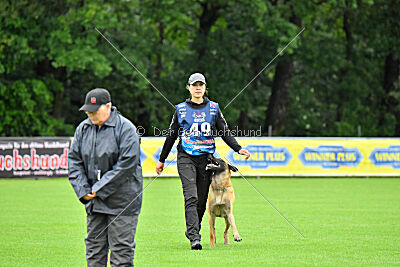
159, 167
244, 152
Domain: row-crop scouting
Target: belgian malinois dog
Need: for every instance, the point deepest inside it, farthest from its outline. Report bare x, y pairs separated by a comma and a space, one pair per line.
221, 198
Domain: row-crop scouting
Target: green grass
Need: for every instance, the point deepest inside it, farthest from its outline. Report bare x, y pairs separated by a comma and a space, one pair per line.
345, 221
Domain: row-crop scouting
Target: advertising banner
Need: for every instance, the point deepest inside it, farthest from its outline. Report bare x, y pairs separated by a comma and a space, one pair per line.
296, 156
48, 157
34, 157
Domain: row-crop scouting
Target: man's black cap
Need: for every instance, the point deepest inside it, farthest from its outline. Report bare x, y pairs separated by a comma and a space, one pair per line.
95, 98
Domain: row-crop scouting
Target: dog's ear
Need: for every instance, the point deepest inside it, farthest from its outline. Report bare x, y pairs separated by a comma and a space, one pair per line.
232, 168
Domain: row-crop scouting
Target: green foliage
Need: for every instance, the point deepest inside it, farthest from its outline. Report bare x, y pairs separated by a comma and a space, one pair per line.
25, 107
51, 55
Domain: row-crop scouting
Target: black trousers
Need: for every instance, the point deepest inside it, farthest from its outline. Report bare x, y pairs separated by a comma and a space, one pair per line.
195, 184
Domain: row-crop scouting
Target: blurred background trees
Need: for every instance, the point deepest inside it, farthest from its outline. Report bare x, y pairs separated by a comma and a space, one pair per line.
342, 72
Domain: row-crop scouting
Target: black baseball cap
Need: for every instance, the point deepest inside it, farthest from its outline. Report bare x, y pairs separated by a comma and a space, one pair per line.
94, 99
196, 77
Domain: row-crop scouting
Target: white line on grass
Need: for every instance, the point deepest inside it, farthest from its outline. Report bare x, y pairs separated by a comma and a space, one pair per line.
269, 202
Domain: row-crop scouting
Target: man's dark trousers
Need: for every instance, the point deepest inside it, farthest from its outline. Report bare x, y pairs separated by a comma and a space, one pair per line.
195, 184
119, 237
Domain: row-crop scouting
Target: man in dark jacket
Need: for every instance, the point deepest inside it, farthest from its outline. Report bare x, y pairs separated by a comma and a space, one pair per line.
105, 172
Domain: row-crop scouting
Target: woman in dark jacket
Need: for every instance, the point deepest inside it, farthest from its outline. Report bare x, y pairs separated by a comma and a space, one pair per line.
194, 121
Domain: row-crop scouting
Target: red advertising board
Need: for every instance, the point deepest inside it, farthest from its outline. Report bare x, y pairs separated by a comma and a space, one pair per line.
27, 157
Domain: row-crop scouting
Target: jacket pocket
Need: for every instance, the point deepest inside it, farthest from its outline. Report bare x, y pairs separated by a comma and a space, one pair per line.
187, 171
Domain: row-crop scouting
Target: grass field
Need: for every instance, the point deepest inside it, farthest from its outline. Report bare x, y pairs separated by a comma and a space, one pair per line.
345, 221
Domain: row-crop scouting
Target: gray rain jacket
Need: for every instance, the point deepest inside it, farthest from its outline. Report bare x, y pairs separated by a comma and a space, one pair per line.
111, 153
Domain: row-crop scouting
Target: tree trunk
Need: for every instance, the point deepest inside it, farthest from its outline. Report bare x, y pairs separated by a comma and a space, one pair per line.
159, 65
349, 52
44, 68
278, 100
244, 120
207, 19
390, 103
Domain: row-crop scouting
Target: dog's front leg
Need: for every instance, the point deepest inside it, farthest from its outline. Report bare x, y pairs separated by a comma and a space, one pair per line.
236, 235
211, 222
226, 234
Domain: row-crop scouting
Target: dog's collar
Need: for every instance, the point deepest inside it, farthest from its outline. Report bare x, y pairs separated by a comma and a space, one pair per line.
221, 190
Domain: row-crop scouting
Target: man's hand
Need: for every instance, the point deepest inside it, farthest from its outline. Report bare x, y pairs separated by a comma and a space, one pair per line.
244, 152
89, 196
159, 167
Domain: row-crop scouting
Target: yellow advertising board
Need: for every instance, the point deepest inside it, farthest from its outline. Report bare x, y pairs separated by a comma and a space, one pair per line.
294, 156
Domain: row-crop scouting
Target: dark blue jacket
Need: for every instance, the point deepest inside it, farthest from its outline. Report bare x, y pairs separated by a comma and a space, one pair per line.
114, 152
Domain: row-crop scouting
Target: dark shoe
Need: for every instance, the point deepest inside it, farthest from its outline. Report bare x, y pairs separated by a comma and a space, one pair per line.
196, 245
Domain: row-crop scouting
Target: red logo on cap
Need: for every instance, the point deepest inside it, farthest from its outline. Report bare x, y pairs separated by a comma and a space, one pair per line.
93, 100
